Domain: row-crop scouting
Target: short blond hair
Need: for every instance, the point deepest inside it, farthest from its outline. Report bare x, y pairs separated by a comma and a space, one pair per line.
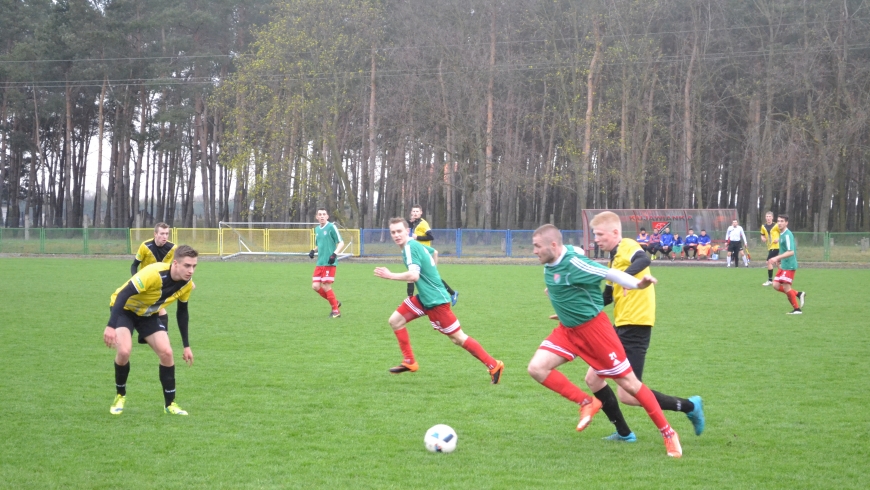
160, 226
606, 218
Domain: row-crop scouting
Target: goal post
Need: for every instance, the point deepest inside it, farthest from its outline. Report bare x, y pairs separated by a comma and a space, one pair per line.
273, 238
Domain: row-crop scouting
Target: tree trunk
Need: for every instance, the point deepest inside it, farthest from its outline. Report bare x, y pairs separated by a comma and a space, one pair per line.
487, 206
586, 162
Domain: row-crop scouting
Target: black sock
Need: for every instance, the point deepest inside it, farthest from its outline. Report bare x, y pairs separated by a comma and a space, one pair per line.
769, 274
410, 289
167, 379
164, 319
121, 373
449, 290
673, 403
610, 406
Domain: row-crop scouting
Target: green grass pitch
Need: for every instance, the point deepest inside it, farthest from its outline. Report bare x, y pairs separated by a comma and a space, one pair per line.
281, 396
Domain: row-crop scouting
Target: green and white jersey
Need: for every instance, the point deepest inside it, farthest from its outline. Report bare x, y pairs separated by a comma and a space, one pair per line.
786, 243
326, 237
430, 289
574, 287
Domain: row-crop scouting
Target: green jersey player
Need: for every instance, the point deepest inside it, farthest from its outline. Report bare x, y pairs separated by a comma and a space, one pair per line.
432, 300
787, 260
328, 243
574, 286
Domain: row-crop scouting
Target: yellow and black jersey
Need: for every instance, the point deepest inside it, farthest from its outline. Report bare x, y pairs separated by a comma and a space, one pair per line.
420, 229
639, 306
771, 233
155, 289
149, 253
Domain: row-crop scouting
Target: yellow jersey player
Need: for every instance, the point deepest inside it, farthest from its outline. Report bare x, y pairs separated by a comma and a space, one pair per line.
634, 314
158, 249
422, 232
134, 306
770, 236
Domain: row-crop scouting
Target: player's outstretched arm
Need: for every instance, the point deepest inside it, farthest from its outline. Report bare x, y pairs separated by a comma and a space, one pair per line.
627, 281
408, 276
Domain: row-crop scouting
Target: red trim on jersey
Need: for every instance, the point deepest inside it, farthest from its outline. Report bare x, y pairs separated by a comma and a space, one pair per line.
323, 273
784, 276
441, 317
595, 342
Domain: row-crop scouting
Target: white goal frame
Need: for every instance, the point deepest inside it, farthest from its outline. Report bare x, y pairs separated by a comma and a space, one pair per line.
234, 244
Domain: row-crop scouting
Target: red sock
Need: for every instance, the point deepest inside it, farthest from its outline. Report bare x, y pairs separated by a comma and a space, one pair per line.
478, 351
330, 296
557, 382
649, 403
322, 293
405, 344
792, 298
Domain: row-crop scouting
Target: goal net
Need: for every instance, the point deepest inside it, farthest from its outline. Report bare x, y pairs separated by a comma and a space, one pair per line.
277, 239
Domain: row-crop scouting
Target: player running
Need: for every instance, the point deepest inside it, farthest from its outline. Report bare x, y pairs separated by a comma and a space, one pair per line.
134, 306
770, 235
328, 243
787, 260
432, 300
634, 314
158, 249
422, 232
573, 284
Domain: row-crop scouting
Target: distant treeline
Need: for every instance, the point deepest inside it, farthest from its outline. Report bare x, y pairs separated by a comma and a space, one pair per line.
490, 114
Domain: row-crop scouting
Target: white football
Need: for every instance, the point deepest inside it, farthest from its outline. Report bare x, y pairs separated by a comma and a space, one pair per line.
440, 439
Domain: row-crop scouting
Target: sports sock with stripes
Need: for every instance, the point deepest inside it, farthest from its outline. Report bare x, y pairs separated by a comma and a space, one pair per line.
121, 373
330, 296
476, 350
673, 403
405, 344
646, 398
610, 407
792, 298
557, 382
167, 379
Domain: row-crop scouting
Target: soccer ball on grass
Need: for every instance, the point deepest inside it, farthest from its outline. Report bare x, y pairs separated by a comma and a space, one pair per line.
440, 439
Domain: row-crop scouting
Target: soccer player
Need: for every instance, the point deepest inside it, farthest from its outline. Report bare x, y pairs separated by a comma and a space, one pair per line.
420, 231
158, 249
432, 300
327, 243
134, 306
770, 235
634, 314
573, 284
736, 238
643, 239
787, 260
691, 244
667, 243
704, 245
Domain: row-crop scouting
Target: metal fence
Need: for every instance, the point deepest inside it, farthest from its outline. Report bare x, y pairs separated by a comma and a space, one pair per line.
811, 247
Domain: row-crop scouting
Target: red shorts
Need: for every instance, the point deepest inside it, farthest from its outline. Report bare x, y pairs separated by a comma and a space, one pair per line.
784, 276
324, 273
595, 342
441, 317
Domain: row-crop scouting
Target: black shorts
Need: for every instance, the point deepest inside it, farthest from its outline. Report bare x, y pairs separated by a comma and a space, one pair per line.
144, 325
635, 341
772, 253
735, 246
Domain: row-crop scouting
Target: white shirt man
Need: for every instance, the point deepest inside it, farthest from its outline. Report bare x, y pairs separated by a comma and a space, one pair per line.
736, 238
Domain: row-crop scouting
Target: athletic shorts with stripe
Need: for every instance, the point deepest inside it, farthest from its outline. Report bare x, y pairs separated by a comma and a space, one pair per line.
441, 317
323, 273
784, 276
595, 342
